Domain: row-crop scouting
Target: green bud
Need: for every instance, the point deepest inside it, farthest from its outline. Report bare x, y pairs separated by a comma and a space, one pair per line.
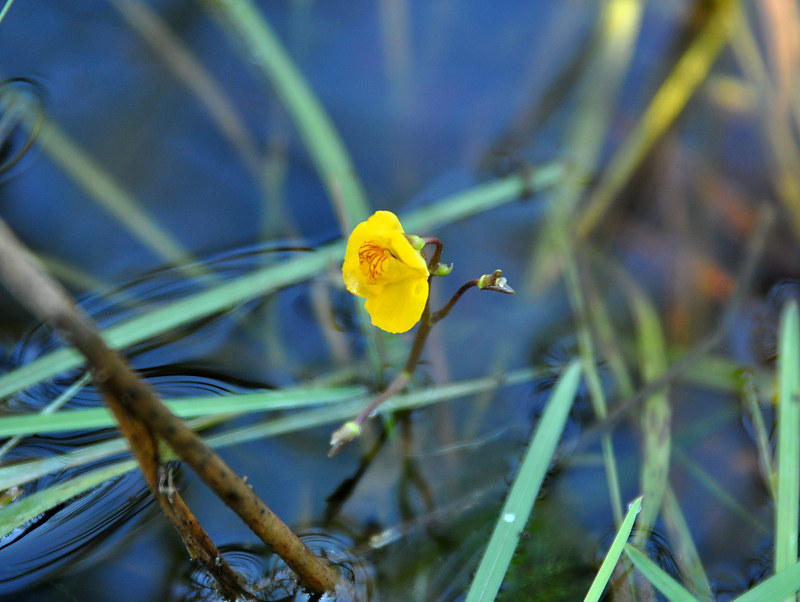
442, 269
415, 241
495, 282
344, 435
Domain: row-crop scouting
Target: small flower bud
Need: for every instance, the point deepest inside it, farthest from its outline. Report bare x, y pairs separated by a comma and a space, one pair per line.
495, 282
442, 269
344, 435
415, 241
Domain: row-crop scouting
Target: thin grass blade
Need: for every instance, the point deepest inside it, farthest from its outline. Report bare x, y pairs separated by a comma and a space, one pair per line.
27, 508
765, 459
484, 197
656, 413
50, 408
6, 6
684, 549
722, 496
253, 33
21, 473
519, 503
788, 440
784, 584
663, 582
212, 405
614, 552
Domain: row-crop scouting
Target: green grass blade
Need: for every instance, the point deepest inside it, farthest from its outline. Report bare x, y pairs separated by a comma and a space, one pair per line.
656, 413
212, 405
721, 495
252, 32
27, 508
519, 503
765, 459
614, 552
783, 585
684, 550
586, 348
15, 475
275, 277
50, 408
788, 445
6, 6
484, 197
663, 582
23, 472
177, 314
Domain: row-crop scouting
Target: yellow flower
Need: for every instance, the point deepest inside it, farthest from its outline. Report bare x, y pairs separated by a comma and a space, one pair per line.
381, 265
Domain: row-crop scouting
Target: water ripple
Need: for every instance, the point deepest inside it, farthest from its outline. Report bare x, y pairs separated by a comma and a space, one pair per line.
271, 580
21, 119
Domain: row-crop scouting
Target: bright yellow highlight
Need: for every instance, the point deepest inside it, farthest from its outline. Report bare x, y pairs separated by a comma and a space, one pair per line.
381, 265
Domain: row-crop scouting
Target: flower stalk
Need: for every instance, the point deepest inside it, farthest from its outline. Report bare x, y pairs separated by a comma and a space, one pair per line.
433, 264
493, 282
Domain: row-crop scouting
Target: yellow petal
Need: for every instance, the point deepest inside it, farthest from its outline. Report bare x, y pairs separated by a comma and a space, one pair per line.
388, 226
405, 253
399, 306
384, 220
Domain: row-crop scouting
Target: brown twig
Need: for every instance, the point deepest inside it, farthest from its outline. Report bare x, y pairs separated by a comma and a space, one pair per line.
199, 544
128, 395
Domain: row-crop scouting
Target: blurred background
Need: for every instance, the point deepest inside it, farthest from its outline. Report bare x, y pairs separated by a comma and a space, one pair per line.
659, 146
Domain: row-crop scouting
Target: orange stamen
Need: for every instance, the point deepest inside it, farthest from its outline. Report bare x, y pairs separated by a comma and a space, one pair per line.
372, 259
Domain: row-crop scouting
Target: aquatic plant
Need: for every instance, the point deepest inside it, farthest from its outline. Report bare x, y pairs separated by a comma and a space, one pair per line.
633, 167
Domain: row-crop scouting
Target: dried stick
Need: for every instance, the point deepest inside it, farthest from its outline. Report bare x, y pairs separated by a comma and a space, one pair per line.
199, 544
126, 393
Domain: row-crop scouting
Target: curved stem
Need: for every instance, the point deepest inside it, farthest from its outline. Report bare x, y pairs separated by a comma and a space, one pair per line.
442, 313
437, 254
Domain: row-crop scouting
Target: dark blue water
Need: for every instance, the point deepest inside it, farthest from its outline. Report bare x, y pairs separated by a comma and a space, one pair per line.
430, 99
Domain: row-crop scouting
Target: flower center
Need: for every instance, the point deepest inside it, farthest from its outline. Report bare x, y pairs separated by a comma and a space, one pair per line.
372, 259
